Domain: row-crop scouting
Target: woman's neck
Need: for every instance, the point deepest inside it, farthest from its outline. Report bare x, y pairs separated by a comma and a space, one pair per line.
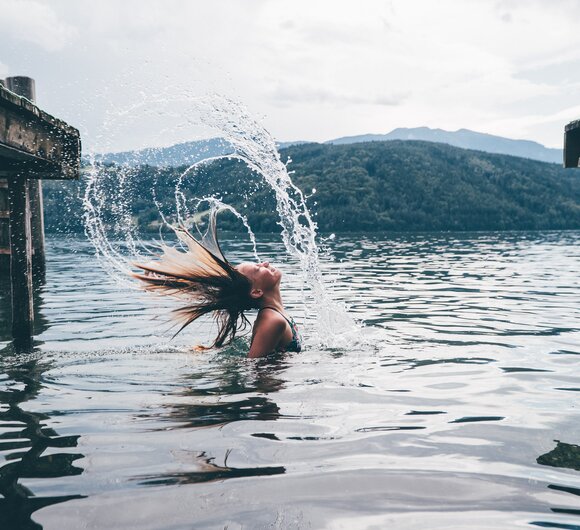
272, 300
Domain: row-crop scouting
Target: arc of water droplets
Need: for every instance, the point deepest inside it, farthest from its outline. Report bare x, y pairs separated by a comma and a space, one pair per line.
253, 145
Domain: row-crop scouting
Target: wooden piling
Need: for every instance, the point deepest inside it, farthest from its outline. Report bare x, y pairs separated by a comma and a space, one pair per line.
20, 260
23, 86
37, 229
4, 231
572, 144
4, 221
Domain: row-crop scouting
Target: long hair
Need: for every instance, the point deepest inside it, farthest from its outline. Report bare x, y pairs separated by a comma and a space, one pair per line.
203, 277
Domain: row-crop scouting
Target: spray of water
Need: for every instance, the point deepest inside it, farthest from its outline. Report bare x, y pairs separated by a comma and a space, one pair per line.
107, 204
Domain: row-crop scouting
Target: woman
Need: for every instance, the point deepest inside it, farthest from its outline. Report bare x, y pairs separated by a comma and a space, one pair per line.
210, 284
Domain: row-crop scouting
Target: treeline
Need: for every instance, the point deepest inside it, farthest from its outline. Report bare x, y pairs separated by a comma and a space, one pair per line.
377, 186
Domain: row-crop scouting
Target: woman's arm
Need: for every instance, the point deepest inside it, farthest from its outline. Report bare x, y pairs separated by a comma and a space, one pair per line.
268, 332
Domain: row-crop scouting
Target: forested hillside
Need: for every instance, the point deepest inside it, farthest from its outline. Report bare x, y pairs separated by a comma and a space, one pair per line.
376, 186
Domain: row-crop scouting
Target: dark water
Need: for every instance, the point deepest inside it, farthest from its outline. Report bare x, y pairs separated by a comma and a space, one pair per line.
458, 410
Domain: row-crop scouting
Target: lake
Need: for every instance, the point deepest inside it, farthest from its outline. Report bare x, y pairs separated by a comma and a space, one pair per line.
456, 407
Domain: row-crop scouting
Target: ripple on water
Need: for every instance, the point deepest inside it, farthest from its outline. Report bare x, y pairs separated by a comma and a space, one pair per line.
458, 406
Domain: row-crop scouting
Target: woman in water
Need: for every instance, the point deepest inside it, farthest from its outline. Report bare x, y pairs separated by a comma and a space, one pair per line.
211, 285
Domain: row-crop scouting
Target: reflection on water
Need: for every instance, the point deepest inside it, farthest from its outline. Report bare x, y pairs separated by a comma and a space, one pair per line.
227, 396
24, 440
563, 455
40, 321
458, 406
208, 472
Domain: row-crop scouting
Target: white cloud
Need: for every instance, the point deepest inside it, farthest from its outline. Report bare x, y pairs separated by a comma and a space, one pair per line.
35, 22
316, 69
296, 94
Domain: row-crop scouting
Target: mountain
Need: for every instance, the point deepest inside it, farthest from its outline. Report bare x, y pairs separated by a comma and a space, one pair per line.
176, 155
182, 154
284, 145
191, 152
374, 186
465, 139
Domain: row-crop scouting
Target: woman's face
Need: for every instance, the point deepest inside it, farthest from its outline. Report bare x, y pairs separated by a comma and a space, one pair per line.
264, 277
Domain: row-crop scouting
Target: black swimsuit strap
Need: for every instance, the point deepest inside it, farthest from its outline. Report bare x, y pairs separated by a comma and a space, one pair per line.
274, 309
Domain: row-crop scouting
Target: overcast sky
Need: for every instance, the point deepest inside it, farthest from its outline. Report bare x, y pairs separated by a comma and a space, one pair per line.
309, 69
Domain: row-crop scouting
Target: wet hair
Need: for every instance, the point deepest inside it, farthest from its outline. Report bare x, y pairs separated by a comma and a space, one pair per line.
201, 275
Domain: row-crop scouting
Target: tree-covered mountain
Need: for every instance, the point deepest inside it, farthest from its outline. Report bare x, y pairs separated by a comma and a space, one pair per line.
376, 186
466, 139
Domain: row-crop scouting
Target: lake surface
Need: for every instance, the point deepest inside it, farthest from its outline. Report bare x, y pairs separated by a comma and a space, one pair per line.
458, 406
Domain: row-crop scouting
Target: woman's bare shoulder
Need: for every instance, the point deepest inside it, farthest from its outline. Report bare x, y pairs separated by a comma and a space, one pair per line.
268, 331
270, 322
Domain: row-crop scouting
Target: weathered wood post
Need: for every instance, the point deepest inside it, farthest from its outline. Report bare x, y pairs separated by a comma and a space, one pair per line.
4, 221
20, 260
33, 145
572, 144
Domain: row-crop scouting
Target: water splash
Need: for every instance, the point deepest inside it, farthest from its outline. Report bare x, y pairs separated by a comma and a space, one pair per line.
109, 193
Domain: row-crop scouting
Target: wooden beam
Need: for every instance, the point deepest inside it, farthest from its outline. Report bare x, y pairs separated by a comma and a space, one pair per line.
20, 261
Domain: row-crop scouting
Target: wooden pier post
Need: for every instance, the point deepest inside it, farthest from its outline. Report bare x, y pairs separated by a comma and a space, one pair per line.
4, 220
20, 261
572, 144
33, 146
